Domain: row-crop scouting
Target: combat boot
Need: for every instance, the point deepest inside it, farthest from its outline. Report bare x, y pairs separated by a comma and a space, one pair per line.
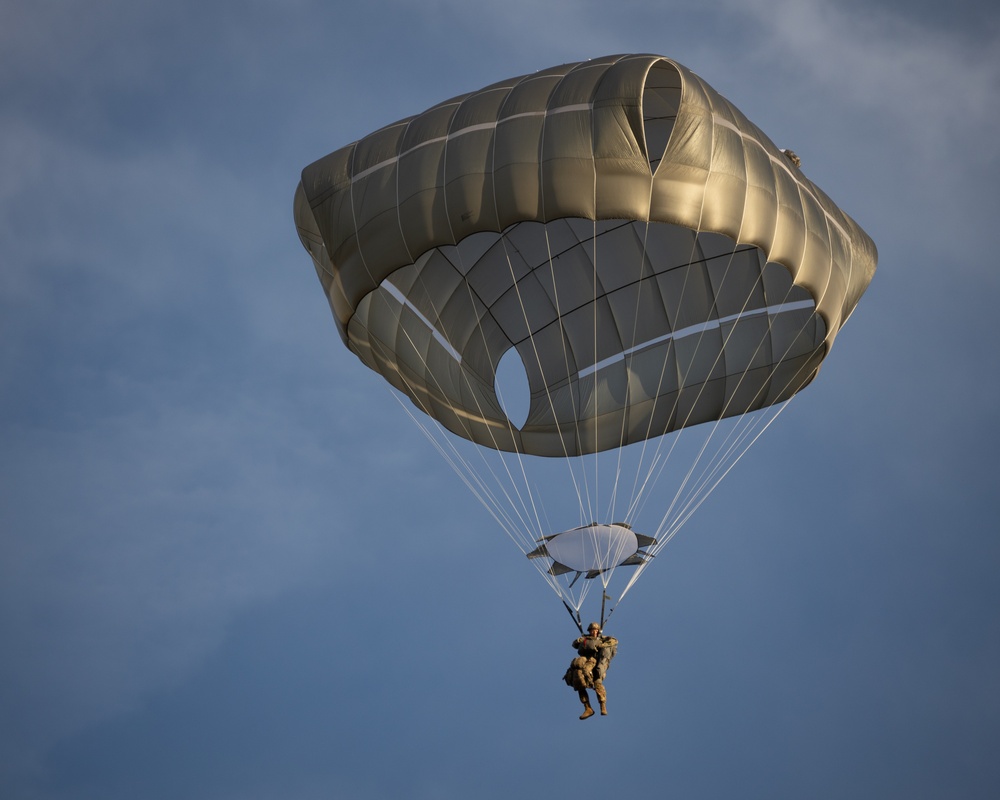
602, 696
587, 712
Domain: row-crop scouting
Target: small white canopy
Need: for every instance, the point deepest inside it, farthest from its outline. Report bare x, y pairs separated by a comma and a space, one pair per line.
593, 548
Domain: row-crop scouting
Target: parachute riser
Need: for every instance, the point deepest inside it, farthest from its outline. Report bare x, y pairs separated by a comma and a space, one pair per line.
576, 618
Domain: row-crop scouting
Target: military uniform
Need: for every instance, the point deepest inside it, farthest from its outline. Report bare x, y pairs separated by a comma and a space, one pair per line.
588, 669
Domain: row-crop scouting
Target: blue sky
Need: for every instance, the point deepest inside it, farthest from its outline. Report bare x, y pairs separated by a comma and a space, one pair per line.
231, 567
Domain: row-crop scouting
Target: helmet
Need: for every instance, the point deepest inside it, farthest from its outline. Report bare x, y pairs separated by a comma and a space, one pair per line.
593, 626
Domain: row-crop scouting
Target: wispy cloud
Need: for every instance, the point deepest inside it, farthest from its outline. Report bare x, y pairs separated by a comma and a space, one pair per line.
933, 92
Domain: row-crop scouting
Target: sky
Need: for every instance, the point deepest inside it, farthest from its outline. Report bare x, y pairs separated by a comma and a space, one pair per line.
232, 568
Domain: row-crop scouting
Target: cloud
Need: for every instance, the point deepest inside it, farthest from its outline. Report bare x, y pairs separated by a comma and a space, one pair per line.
131, 543
146, 497
934, 92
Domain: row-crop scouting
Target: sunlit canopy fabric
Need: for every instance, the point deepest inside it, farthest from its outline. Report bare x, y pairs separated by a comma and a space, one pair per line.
654, 258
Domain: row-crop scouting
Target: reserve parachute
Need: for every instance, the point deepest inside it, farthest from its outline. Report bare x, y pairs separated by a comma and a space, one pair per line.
632, 257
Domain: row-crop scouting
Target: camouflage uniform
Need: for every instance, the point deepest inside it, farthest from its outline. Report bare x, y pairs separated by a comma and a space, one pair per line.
588, 669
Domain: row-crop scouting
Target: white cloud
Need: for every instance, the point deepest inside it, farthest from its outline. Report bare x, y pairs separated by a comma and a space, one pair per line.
141, 509
943, 85
935, 92
130, 545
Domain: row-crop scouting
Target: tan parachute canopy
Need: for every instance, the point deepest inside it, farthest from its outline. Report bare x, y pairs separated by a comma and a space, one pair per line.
655, 260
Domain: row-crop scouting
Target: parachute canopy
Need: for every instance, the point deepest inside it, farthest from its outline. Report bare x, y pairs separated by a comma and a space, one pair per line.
617, 241
652, 257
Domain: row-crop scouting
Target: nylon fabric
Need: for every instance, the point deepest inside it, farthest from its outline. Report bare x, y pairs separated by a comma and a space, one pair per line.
463, 204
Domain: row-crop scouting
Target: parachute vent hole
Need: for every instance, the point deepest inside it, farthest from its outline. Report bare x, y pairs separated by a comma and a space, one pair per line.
512, 388
661, 98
